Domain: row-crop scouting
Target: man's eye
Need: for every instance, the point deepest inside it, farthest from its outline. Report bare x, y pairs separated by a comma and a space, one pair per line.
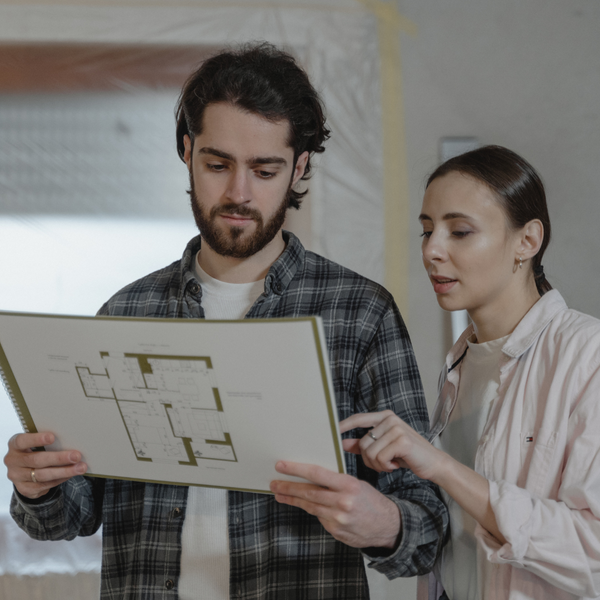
266, 174
426, 234
215, 167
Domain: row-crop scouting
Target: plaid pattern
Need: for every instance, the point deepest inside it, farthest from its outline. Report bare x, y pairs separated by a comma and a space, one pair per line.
276, 551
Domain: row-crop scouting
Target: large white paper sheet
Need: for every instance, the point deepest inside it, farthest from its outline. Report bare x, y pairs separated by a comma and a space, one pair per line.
192, 402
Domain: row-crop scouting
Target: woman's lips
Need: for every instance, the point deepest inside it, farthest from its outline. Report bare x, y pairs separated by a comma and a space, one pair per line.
441, 285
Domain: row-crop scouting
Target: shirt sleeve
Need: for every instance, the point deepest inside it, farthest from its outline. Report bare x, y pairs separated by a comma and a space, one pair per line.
557, 539
389, 380
72, 509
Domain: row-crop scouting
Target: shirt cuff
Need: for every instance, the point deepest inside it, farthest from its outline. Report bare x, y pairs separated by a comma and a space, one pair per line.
398, 562
513, 507
34, 506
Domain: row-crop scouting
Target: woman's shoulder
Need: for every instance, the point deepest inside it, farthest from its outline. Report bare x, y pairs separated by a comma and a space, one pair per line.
573, 324
574, 336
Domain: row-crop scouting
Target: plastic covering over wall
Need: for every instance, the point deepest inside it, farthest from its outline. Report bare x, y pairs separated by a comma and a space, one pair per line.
87, 130
139, 56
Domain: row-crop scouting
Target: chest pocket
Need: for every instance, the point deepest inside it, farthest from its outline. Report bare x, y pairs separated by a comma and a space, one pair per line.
537, 450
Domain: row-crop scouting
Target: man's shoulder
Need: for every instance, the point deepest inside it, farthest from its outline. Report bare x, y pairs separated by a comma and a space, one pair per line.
151, 290
336, 278
154, 295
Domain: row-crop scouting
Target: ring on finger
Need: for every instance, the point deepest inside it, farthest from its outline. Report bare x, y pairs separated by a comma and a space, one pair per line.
373, 437
33, 476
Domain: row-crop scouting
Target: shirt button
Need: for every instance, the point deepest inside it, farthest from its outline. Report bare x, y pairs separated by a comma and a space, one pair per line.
176, 513
278, 287
194, 288
169, 584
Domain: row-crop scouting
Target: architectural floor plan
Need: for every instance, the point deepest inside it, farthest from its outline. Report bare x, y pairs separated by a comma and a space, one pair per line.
179, 401
170, 405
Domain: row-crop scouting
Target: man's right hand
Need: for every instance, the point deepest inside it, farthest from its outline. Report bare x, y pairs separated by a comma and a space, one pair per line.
36, 473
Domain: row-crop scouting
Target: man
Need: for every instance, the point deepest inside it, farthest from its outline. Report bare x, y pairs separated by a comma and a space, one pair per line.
248, 123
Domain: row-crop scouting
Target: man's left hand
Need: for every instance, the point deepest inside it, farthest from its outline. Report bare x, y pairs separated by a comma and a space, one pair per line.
352, 511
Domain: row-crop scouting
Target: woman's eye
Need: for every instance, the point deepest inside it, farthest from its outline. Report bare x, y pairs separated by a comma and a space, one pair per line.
460, 234
426, 234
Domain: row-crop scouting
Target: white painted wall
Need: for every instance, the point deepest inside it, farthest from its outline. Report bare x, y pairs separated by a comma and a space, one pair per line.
526, 75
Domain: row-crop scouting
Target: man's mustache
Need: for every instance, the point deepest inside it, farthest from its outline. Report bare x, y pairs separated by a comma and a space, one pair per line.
236, 209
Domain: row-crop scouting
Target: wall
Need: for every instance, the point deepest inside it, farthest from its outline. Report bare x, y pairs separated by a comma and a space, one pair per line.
525, 75
521, 74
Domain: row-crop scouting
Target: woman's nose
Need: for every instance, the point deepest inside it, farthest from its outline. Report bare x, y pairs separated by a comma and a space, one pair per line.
433, 248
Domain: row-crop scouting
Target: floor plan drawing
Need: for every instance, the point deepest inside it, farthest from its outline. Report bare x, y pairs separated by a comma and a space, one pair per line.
170, 405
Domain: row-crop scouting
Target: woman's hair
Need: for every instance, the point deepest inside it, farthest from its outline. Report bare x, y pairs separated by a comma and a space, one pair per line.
261, 79
516, 185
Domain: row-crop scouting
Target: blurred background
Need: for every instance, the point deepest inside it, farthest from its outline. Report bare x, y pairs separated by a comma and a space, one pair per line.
92, 193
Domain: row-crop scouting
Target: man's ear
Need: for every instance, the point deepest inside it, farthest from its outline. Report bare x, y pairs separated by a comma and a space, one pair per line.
532, 236
300, 167
187, 155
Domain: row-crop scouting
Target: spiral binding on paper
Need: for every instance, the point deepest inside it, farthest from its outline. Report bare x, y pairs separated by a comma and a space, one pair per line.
10, 394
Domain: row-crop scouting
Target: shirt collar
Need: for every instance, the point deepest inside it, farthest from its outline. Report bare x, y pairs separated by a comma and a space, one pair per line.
187, 270
533, 323
525, 333
281, 273
284, 269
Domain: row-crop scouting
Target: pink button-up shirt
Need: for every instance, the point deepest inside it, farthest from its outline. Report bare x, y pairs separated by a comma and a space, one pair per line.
540, 451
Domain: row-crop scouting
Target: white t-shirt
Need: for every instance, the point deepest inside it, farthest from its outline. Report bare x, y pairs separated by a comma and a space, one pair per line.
478, 388
205, 535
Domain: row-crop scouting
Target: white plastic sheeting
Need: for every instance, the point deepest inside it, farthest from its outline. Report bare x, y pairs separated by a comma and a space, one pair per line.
61, 278
336, 41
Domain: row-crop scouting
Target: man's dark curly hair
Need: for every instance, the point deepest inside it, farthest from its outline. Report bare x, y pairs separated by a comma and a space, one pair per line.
260, 79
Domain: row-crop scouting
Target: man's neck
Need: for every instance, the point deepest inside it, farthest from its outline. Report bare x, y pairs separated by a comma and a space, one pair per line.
241, 270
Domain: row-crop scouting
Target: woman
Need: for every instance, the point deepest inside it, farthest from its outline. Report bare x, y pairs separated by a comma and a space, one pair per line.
515, 435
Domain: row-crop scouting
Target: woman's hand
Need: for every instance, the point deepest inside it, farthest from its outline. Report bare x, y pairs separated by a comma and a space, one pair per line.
399, 445
392, 444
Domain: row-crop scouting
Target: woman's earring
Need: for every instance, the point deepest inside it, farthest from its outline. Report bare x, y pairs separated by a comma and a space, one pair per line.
520, 262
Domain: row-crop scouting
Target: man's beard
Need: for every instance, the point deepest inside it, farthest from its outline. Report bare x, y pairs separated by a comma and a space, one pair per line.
232, 243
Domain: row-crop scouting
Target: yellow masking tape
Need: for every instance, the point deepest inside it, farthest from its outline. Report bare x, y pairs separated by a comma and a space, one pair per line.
387, 11
395, 176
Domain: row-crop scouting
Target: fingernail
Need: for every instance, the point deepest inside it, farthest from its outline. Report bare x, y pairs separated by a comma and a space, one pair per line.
74, 457
81, 469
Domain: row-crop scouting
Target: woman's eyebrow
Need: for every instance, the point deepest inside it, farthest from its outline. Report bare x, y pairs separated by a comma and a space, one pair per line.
455, 215
446, 217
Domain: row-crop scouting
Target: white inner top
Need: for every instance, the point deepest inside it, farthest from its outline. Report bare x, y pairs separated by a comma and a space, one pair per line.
205, 536
478, 388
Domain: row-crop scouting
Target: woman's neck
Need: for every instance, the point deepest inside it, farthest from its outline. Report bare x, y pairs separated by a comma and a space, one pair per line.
494, 321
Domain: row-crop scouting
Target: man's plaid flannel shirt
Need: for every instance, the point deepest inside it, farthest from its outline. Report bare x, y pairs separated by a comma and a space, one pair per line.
276, 551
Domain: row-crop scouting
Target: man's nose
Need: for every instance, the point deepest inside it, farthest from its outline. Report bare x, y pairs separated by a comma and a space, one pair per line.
238, 190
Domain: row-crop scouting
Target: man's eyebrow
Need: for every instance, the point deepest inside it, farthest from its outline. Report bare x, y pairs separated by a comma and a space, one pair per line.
215, 152
446, 217
267, 160
255, 160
